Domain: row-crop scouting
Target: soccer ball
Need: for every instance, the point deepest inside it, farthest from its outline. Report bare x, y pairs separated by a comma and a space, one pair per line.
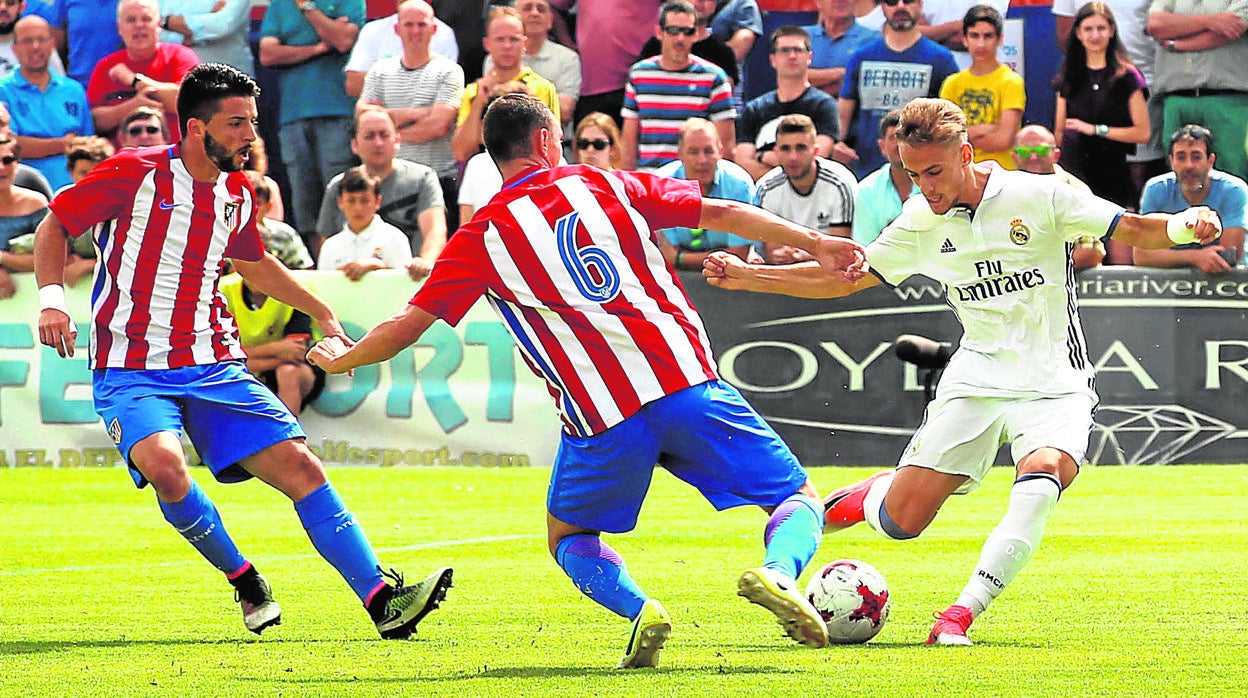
852, 597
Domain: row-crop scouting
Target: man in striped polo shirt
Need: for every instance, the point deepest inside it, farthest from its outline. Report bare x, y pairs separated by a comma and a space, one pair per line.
662, 92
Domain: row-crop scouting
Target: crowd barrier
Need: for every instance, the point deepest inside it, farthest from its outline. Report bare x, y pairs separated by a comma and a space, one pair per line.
1170, 348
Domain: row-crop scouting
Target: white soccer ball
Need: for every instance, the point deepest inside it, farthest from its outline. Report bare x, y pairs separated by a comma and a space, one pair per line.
852, 597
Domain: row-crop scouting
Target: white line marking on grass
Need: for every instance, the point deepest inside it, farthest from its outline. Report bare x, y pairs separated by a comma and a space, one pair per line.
301, 556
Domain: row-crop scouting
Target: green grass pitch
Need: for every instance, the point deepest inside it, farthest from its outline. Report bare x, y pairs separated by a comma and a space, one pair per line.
1138, 590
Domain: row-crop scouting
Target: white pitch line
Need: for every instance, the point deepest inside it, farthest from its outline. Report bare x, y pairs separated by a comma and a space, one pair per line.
303, 556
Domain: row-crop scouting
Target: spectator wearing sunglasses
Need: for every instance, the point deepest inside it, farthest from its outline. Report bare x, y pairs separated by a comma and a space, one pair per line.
48, 110
886, 74
21, 210
652, 118
597, 142
706, 45
1036, 151
143, 127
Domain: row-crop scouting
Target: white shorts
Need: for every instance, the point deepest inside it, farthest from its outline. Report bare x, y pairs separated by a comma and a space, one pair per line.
961, 435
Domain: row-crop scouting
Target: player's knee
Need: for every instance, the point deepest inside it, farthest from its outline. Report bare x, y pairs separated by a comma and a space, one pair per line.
1050, 461
167, 472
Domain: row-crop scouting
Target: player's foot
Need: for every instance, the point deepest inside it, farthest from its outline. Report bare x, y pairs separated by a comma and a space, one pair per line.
650, 630
255, 597
397, 609
780, 595
843, 508
950, 627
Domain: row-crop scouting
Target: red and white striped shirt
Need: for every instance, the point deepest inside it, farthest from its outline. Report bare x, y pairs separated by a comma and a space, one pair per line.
569, 259
154, 302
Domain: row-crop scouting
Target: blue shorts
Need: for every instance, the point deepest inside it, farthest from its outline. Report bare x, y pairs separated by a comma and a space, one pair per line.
706, 435
226, 412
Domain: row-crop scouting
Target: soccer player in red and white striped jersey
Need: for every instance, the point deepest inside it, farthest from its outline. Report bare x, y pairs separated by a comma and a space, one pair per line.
569, 258
166, 354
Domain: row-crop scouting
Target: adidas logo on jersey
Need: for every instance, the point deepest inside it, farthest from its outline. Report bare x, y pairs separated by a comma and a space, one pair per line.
947, 247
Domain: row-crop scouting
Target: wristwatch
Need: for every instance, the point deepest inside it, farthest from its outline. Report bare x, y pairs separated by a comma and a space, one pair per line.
307, 6
1102, 130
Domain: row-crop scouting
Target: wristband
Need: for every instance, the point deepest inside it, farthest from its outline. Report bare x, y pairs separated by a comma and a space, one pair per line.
679, 254
52, 297
1180, 228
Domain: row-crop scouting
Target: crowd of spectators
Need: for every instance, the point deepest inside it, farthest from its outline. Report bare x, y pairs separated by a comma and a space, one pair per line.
379, 123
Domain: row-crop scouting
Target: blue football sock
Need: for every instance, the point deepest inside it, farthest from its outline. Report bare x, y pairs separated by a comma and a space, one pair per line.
598, 571
793, 534
339, 539
198, 520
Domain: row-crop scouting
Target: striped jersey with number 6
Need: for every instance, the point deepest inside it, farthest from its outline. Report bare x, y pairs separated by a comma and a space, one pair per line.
569, 259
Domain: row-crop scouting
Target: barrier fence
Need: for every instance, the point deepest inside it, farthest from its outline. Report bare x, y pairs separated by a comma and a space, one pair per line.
1170, 348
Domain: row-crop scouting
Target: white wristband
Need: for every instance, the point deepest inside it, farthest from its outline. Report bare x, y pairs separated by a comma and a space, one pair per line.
1181, 227
52, 297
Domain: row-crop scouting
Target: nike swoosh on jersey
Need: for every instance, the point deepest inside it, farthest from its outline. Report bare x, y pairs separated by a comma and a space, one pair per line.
165, 205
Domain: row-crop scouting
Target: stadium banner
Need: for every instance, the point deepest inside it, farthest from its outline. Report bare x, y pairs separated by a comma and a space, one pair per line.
1170, 348
460, 396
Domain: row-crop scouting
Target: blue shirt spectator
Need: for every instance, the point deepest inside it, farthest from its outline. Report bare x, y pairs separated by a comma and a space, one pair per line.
59, 110
731, 182
90, 28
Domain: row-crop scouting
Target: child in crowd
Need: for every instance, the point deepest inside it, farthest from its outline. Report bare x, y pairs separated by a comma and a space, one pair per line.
279, 239
366, 242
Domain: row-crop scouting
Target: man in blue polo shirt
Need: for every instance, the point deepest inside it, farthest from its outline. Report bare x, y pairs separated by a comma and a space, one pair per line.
701, 160
48, 110
1194, 182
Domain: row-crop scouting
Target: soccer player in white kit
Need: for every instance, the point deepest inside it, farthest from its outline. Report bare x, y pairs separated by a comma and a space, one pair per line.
1000, 242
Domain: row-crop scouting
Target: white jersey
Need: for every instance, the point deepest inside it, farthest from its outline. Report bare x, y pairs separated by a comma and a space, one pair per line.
830, 202
1007, 271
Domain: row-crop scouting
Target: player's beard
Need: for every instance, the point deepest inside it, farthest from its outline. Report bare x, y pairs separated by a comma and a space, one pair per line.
221, 156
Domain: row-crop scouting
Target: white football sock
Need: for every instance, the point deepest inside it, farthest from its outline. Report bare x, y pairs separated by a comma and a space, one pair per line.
1014, 540
874, 499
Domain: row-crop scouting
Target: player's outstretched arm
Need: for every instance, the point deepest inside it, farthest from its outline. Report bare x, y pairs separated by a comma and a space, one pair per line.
804, 279
836, 254
385, 340
1158, 231
271, 277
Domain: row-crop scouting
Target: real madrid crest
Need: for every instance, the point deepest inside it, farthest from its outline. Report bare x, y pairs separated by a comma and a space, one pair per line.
1019, 233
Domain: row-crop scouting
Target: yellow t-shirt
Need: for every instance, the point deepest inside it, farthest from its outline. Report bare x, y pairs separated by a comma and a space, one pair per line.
542, 88
261, 325
985, 98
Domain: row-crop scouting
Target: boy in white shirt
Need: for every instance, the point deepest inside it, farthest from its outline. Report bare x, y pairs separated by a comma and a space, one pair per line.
366, 242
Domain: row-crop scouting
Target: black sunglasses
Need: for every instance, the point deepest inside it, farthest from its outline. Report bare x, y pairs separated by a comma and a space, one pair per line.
596, 144
894, 3
676, 31
8, 160
140, 130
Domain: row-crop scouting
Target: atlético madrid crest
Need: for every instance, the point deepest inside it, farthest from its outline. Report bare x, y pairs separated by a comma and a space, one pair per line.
231, 215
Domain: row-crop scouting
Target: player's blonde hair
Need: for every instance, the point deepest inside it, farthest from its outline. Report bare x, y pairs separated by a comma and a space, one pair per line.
926, 120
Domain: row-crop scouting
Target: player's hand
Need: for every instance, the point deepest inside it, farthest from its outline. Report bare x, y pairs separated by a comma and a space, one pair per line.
727, 271
1208, 225
7, 288
326, 354
56, 330
418, 268
843, 257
